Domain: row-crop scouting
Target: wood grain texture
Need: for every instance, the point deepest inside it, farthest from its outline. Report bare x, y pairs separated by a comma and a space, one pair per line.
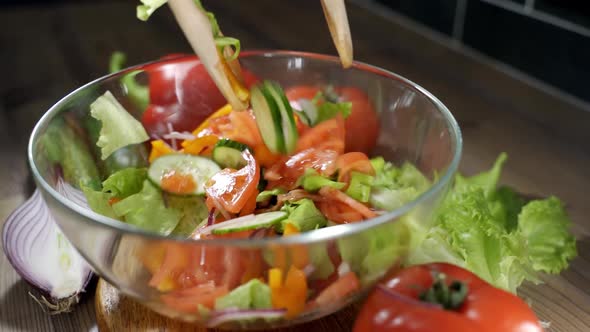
48, 51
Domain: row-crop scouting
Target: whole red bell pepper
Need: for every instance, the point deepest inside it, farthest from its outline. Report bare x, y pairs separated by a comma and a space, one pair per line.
182, 94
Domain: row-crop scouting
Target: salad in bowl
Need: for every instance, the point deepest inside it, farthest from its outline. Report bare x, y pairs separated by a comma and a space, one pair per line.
252, 189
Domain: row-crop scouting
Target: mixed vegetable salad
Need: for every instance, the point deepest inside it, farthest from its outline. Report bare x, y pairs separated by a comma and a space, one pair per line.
267, 162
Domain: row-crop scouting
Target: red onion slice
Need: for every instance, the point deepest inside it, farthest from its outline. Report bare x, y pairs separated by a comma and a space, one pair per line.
41, 254
230, 315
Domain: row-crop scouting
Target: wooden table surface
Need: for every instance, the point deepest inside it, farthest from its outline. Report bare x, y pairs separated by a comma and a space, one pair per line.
47, 51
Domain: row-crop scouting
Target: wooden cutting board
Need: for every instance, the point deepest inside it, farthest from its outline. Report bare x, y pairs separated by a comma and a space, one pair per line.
116, 312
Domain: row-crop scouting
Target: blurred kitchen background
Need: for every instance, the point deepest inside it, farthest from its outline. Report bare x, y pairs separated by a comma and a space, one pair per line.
546, 39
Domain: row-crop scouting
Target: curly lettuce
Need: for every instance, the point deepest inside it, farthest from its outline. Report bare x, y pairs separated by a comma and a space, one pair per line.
494, 233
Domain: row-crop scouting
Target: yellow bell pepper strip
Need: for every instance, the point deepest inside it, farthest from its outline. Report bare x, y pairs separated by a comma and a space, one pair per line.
289, 294
198, 145
159, 148
299, 254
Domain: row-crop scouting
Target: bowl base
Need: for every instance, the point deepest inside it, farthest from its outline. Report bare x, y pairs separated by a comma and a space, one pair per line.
118, 312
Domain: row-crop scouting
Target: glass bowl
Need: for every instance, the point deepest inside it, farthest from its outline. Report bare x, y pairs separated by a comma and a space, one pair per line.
414, 126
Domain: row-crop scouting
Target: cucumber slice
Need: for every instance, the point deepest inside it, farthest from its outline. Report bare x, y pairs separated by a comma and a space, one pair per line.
288, 127
268, 119
228, 153
263, 220
199, 168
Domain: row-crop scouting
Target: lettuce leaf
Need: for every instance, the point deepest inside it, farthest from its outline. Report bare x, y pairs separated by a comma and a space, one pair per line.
148, 7
394, 186
125, 182
304, 215
321, 109
372, 253
193, 210
147, 210
493, 233
543, 228
119, 128
99, 202
252, 295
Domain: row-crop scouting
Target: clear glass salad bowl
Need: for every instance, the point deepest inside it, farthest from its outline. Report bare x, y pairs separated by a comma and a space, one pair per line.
414, 127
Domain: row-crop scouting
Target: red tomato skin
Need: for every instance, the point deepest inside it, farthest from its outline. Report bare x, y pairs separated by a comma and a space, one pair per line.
382, 314
516, 315
362, 125
394, 305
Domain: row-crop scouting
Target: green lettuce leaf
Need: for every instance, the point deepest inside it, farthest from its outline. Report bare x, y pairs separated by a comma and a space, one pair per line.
486, 180
320, 260
252, 295
394, 186
493, 233
148, 7
329, 110
304, 215
99, 202
119, 128
193, 210
125, 182
543, 229
320, 109
371, 254
147, 210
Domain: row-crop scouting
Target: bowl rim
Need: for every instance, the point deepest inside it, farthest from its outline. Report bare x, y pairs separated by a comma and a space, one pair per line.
320, 235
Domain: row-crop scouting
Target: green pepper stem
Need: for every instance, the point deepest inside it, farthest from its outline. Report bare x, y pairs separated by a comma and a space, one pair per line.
450, 296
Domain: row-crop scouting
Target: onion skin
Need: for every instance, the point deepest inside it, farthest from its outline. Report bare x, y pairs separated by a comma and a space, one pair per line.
27, 237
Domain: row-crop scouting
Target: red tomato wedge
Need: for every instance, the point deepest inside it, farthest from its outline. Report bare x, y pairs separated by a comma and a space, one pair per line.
232, 189
338, 290
327, 135
284, 174
353, 161
188, 300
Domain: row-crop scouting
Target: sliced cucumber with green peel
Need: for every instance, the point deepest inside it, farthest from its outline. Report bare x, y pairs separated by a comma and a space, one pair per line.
268, 118
288, 127
201, 169
228, 153
263, 220
274, 117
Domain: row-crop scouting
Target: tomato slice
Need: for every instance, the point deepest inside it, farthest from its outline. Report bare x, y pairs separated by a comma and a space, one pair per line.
233, 188
188, 300
284, 174
327, 135
338, 290
353, 161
